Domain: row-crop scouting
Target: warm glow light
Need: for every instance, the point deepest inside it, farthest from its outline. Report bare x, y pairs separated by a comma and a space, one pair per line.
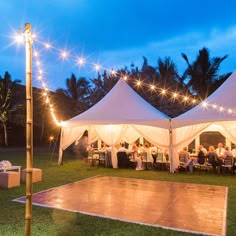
113, 72
152, 87
163, 91
47, 45
19, 38
97, 67
34, 36
204, 104
185, 98
80, 61
139, 83
64, 54
51, 138
175, 95
36, 54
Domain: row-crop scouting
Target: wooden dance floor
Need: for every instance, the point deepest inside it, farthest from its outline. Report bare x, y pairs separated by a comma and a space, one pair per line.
179, 206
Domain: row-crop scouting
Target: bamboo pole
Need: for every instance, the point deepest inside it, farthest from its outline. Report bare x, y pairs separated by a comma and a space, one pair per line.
29, 130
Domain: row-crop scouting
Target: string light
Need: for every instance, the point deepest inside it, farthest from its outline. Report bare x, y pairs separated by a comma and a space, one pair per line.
81, 61
47, 45
175, 95
204, 104
18, 37
152, 87
163, 91
36, 54
45, 93
97, 67
113, 72
64, 54
139, 83
185, 98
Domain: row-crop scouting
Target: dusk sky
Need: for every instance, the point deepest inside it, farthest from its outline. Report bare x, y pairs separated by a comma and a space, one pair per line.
116, 33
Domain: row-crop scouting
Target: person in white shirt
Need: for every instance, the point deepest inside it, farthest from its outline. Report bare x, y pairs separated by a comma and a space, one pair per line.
220, 150
154, 153
234, 152
137, 157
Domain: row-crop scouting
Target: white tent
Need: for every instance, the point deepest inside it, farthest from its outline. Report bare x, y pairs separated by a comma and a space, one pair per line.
121, 115
213, 115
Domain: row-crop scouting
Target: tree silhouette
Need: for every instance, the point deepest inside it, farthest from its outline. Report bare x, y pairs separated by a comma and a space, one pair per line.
202, 74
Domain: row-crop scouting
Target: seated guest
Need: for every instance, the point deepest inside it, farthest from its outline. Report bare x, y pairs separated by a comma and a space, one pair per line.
234, 152
140, 148
103, 147
148, 151
102, 153
220, 154
234, 155
122, 156
137, 158
212, 158
227, 152
123, 149
201, 156
220, 151
184, 155
154, 153
228, 158
185, 160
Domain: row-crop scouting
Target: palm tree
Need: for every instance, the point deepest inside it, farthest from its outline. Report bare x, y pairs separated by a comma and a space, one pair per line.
167, 71
7, 104
78, 90
202, 74
101, 86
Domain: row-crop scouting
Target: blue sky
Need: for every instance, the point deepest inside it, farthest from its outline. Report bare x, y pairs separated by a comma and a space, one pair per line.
116, 33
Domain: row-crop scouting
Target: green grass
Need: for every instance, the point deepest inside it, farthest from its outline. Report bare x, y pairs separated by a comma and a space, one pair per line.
48, 221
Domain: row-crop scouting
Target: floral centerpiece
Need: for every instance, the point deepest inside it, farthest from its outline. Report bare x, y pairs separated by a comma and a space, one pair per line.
5, 164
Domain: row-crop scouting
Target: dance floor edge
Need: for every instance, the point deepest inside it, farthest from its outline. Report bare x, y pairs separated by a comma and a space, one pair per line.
178, 206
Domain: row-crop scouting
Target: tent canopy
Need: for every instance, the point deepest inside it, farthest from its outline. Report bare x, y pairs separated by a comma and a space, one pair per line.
121, 115
189, 125
122, 105
224, 96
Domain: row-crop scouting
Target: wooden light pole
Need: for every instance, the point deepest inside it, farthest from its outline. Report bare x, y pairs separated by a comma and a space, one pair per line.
29, 129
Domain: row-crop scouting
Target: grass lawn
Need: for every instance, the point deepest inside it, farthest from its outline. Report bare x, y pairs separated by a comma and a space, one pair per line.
57, 222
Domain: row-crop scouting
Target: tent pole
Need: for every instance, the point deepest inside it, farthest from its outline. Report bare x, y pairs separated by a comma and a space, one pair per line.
171, 156
60, 150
